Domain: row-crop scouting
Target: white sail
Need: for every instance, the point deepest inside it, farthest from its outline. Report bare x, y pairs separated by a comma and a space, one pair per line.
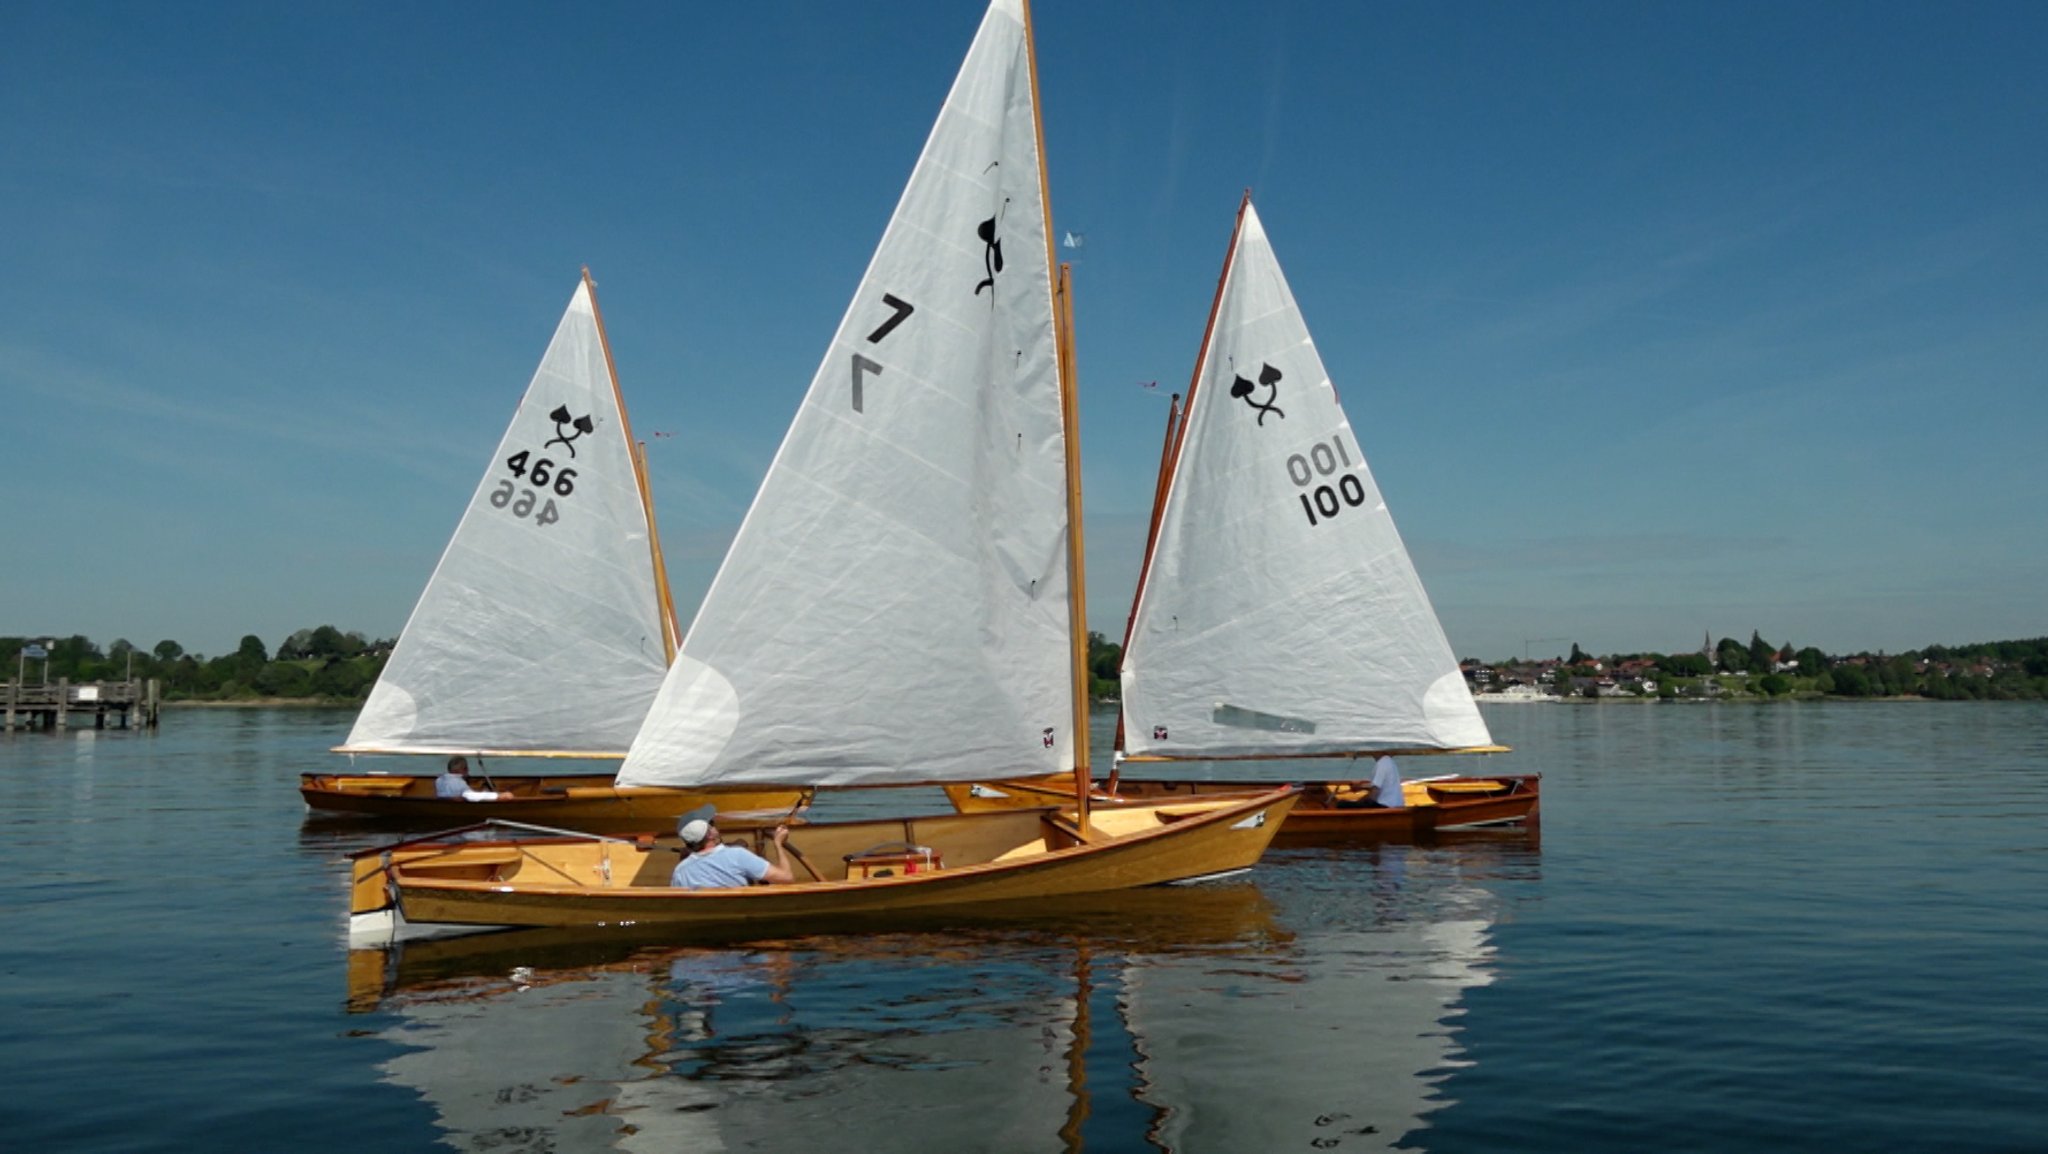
895, 605
1280, 614
541, 630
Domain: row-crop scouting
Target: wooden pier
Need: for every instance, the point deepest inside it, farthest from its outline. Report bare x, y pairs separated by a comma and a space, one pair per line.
62, 705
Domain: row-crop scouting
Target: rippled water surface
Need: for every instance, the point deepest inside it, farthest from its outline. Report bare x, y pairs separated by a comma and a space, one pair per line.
1738, 928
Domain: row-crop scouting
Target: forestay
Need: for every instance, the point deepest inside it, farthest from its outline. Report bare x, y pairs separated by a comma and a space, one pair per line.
1280, 614
894, 607
541, 630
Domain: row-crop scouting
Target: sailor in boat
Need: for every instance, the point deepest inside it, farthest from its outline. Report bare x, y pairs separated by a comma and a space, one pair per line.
711, 864
455, 783
1383, 793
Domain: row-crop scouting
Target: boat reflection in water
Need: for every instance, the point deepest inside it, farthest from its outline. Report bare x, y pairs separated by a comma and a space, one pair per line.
1197, 1019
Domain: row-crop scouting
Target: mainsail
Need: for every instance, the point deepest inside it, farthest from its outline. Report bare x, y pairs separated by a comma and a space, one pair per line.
1280, 614
544, 629
895, 605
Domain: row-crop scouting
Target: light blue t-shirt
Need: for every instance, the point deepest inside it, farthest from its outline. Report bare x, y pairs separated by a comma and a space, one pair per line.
722, 868
450, 785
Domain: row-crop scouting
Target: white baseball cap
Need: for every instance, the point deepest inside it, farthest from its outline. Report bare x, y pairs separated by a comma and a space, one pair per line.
694, 831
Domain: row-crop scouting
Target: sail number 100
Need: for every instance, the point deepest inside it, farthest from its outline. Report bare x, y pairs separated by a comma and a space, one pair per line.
542, 475
1327, 499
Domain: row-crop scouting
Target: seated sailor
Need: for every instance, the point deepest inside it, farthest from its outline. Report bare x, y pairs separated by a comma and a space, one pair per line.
455, 783
709, 863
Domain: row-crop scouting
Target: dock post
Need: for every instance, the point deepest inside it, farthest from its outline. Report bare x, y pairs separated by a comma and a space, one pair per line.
63, 703
150, 718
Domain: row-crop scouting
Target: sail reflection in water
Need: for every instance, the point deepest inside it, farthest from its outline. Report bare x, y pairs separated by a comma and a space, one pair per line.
1338, 1048
730, 1049
527, 1067
1184, 1020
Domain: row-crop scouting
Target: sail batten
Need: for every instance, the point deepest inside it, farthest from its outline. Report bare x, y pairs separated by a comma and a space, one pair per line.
903, 560
541, 631
1280, 615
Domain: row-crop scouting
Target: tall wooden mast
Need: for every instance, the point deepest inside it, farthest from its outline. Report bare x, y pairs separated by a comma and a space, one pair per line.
671, 636
1063, 328
1077, 580
1173, 418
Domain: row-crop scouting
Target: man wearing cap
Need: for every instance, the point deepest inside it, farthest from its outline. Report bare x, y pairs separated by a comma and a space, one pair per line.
711, 864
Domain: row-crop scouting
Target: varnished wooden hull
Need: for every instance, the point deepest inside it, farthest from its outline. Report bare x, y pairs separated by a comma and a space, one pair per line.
572, 801
1149, 918
1011, 856
1436, 806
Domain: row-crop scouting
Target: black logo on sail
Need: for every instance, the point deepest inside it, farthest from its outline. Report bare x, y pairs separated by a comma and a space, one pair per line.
567, 429
991, 252
1269, 376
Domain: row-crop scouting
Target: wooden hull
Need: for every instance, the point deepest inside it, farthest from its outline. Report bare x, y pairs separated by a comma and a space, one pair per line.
1150, 919
1010, 856
1434, 805
574, 801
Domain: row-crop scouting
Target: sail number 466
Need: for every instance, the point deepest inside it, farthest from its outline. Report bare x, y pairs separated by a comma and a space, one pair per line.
1328, 499
522, 501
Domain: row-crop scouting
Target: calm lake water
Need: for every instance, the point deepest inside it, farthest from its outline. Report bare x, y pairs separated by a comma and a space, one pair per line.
1744, 928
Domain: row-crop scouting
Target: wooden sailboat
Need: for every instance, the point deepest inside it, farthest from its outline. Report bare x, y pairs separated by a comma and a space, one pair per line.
546, 628
903, 603
1278, 614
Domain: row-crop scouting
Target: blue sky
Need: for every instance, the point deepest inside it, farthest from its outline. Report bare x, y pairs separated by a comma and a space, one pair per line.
1653, 319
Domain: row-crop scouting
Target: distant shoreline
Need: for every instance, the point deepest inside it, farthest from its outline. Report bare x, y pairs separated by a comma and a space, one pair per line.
267, 703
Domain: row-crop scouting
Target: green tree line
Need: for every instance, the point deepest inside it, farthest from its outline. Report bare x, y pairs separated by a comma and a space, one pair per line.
311, 664
327, 663
321, 663
1984, 671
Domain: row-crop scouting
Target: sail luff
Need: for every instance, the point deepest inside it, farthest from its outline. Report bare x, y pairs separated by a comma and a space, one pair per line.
671, 633
1159, 483
670, 638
